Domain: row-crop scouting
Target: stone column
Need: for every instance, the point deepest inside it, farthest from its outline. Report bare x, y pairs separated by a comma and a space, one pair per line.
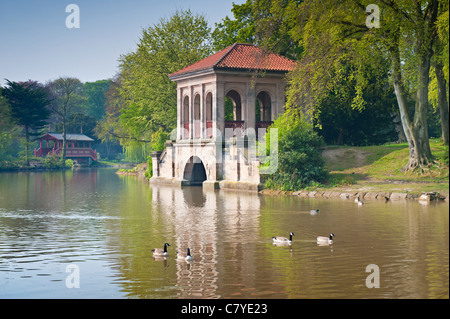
250, 121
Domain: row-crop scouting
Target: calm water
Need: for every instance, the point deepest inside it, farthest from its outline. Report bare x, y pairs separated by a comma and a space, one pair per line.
106, 225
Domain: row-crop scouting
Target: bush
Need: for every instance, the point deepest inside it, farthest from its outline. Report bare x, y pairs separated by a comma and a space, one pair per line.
69, 163
300, 162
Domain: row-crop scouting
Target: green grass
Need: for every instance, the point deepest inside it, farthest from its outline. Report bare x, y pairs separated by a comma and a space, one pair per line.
380, 167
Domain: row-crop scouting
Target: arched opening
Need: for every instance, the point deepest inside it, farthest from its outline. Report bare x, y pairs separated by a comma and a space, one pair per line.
237, 107
264, 107
263, 113
194, 171
209, 113
233, 114
186, 117
197, 116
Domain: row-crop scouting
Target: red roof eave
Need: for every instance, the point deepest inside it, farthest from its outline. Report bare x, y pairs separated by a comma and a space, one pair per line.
239, 56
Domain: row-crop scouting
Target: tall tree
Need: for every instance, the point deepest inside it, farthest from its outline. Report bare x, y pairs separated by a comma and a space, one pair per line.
441, 69
240, 28
147, 95
28, 102
266, 23
94, 92
67, 97
329, 29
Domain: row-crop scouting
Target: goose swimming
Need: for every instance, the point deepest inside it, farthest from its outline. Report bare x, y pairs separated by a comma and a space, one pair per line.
325, 240
283, 240
161, 252
184, 256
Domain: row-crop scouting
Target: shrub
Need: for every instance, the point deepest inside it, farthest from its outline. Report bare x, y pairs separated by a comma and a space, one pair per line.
69, 163
300, 162
52, 160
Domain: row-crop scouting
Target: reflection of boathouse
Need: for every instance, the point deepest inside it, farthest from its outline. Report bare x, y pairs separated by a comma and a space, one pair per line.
212, 144
78, 147
196, 218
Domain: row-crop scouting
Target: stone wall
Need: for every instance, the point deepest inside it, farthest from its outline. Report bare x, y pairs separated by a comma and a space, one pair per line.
386, 196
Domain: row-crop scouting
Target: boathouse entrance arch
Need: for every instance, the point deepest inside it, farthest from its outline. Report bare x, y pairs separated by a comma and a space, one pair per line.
194, 172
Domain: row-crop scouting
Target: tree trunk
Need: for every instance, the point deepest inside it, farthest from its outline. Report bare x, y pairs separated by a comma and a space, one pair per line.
442, 101
27, 143
423, 150
63, 152
416, 133
340, 139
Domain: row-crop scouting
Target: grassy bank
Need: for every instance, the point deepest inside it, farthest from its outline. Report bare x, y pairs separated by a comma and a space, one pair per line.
379, 168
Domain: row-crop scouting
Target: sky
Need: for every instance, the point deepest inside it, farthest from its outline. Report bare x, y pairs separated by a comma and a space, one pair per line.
36, 44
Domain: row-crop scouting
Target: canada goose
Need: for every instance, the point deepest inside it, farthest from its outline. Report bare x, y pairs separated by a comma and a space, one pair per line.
161, 252
360, 202
284, 240
184, 256
314, 211
357, 199
325, 240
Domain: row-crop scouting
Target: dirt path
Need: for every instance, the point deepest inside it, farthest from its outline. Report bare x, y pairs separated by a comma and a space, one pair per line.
344, 158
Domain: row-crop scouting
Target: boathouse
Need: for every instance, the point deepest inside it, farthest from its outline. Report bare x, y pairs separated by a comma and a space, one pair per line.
78, 147
212, 148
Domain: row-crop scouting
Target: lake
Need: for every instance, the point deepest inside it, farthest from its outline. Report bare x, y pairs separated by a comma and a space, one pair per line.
88, 233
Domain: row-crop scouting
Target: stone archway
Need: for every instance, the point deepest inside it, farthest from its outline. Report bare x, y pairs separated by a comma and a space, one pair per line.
194, 172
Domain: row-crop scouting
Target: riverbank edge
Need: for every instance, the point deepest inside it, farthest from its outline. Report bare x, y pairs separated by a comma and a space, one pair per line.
352, 195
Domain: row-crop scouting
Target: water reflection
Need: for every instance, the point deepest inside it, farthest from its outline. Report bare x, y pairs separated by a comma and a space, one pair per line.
108, 225
204, 221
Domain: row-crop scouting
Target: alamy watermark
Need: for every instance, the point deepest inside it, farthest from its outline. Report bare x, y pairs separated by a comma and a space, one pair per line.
73, 279
373, 279
373, 19
73, 19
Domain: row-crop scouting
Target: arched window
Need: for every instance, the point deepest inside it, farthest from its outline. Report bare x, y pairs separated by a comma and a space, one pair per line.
197, 116
186, 117
235, 123
264, 109
237, 107
209, 115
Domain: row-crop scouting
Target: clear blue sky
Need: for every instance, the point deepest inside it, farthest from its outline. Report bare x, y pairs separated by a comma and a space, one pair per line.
36, 44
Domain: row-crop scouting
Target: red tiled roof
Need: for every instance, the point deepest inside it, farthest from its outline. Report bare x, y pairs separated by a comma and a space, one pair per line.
241, 56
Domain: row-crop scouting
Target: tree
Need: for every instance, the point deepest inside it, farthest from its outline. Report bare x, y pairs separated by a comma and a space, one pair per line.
28, 101
241, 29
440, 64
94, 92
66, 94
266, 23
8, 132
330, 29
147, 96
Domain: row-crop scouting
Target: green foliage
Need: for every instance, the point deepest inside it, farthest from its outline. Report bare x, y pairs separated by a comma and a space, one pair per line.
9, 135
142, 100
241, 29
149, 95
53, 160
300, 163
137, 152
149, 172
159, 139
28, 103
69, 163
94, 92
271, 24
